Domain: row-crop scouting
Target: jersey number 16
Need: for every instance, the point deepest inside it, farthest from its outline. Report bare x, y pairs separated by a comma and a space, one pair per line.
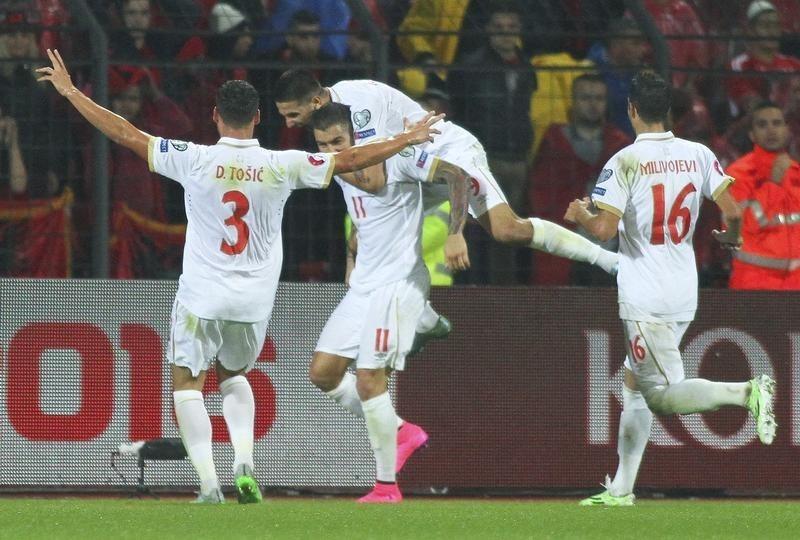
657, 236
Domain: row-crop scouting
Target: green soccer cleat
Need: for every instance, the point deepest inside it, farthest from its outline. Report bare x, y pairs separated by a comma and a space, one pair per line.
441, 330
607, 499
247, 489
214, 496
762, 395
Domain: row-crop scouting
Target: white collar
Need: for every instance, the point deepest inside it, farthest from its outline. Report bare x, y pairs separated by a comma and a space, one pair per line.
230, 141
662, 136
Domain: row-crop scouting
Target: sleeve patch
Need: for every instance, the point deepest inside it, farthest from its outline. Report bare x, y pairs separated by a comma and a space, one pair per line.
423, 157
599, 191
364, 134
315, 161
605, 174
164, 146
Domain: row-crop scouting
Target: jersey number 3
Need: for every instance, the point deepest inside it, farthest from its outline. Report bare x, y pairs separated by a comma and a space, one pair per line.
240, 207
677, 211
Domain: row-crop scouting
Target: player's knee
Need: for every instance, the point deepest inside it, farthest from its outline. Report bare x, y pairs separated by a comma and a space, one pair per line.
512, 230
370, 383
655, 400
633, 400
323, 377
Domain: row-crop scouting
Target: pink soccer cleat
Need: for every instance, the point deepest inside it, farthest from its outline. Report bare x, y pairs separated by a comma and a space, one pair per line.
410, 438
383, 494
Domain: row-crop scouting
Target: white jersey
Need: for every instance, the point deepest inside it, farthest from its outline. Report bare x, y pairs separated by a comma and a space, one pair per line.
389, 223
234, 192
655, 186
378, 111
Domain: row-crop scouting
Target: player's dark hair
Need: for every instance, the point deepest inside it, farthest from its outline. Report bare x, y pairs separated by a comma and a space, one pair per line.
652, 96
332, 114
760, 106
237, 103
594, 78
303, 18
296, 85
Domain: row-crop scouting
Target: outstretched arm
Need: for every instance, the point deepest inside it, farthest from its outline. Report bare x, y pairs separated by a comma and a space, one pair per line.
457, 180
365, 155
113, 126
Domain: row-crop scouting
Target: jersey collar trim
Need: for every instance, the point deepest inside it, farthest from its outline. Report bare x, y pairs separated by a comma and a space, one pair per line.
230, 141
664, 136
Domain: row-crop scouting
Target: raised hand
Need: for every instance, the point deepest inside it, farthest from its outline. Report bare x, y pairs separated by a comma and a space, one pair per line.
421, 131
57, 74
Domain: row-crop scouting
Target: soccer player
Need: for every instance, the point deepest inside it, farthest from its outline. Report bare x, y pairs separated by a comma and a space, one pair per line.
234, 193
651, 193
378, 109
375, 322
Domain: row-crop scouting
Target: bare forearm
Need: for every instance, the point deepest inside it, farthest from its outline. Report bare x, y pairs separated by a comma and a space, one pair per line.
366, 155
18, 173
110, 124
457, 183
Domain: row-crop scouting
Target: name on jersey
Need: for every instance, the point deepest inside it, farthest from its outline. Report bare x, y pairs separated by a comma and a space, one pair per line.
672, 165
364, 134
248, 174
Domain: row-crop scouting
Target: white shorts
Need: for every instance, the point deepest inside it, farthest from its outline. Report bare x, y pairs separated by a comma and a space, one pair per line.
654, 356
377, 328
194, 343
484, 191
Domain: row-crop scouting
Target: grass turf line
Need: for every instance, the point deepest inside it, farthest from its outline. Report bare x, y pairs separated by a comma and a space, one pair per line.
420, 518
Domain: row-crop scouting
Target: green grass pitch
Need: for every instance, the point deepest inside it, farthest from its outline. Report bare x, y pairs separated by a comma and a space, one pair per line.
416, 518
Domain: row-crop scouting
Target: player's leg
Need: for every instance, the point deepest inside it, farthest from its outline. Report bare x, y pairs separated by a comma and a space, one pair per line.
489, 205
241, 345
430, 326
328, 372
634, 431
656, 344
192, 346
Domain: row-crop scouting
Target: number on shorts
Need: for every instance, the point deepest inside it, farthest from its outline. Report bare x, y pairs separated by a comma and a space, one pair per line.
637, 350
381, 340
358, 205
657, 236
240, 207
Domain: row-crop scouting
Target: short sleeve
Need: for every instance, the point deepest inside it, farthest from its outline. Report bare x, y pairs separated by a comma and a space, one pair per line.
304, 170
414, 163
612, 191
715, 181
171, 158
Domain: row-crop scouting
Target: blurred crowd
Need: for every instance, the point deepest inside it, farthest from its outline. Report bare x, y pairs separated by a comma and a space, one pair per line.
542, 83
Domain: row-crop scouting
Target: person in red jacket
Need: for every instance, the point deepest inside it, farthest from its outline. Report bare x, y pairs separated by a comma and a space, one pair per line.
566, 166
768, 188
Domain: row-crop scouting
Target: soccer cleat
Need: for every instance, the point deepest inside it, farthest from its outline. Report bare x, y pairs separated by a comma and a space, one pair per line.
762, 395
607, 499
440, 330
247, 490
410, 438
382, 494
214, 496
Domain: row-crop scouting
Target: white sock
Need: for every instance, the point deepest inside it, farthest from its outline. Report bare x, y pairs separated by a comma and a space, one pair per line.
239, 410
346, 395
555, 239
382, 429
634, 431
697, 395
195, 429
427, 320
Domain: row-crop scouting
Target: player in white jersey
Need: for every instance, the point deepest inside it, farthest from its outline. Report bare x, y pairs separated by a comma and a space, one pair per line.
377, 109
234, 195
374, 324
650, 192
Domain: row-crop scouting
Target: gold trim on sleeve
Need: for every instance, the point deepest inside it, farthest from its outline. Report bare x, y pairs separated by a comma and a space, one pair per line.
722, 187
432, 171
329, 174
608, 208
151, 145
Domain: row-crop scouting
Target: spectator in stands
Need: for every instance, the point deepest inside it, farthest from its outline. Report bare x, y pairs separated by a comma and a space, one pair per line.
330, 18
622, 56
13, 173
678, 18
491, 99
231, 42
566, 168
40, 129
768, 187
773, 83
135, 97
436, 23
